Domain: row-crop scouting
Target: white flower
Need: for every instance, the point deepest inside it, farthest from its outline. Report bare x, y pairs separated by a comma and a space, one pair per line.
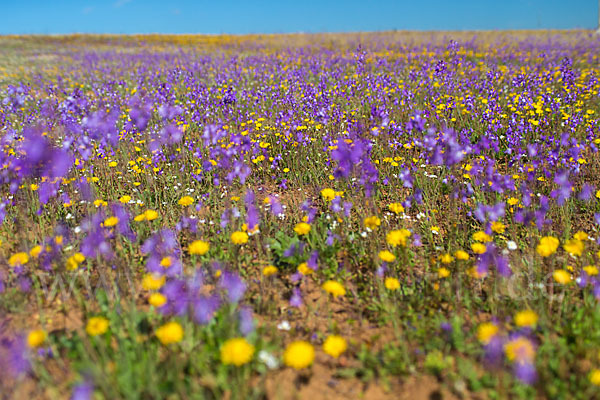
511, 245
268, 359
284, 326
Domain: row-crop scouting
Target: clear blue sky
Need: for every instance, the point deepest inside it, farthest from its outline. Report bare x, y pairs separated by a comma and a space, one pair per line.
276, 16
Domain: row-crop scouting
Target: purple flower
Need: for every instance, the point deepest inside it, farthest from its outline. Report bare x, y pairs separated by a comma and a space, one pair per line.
83, 391
296, 277
246, 321
276, 207
586, 192
252, 215
41, 158
96, 241
313, 260
525, 372
296, 298
178, 298
290, 251
446, 327
14, 357
140, 113
233, 285
492, 257
204, 308
123, 226
416, 240
494, 351
485, 213
330, 238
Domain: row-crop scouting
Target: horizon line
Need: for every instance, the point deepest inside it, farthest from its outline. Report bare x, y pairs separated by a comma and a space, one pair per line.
535, 30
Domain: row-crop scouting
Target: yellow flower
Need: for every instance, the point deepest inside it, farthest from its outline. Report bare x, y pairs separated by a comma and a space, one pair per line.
547, 246
153, 282
446, 258
35, 251
486, 331
392, 283
36, 338
236, 351
111, 221
478, 248
304, 269
561, 276
335, 345
372, 222
580, 235
498, 227
461, 255
396, 208
166, 262
443, 272
481, 236
334, 288
302, 228
397, 238
328, 194
591, 270
269, 270
199, 247
18, 259
239, 237
74, 261
526, 318
512, 201
185, 201
96, 326
157, 299
171, 332
574, 247
386, 256
253, 230
299, 354
148, 215
474, 273
125, 199
520, 350
594, 377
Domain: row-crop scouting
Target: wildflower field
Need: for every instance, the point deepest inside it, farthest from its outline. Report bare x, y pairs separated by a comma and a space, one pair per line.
386, 215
